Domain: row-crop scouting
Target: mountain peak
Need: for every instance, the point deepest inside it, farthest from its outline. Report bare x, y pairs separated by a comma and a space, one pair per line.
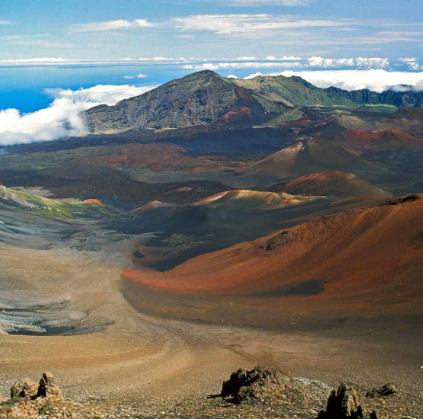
203, 74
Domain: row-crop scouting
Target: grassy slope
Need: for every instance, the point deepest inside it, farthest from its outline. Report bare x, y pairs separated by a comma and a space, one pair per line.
291, 115
294, 90
53, 208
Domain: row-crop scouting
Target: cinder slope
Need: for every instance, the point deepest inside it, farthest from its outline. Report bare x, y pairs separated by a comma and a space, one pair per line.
359, 260
309, 157
410, 113
248, 201
379, 140
340, 184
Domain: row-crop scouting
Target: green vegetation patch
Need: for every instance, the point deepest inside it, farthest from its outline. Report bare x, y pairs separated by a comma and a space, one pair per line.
291, 115
59, 209
377, 108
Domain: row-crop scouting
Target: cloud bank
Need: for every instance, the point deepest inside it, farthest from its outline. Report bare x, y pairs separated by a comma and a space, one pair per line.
349, 62
377, 80
61, 118
239, 66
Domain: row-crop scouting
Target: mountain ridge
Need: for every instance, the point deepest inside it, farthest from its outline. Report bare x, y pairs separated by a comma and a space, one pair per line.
205, 98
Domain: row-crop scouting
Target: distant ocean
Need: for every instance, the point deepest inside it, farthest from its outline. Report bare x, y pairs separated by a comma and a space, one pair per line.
23, 88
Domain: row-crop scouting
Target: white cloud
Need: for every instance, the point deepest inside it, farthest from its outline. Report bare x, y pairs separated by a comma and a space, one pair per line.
290, 58
139, 76
414, 66
253, 76
5, 22
377, 80
44, 60
372, 62
240, 65
411, 62
61, 118
330, 62
348, 62
163, 59
270, 57
110, 25
257, 24
231, 76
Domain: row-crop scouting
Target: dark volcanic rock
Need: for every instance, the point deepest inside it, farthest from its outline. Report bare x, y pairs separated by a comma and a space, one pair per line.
386, 390
403, 200
244, 385
344, 404
274, 242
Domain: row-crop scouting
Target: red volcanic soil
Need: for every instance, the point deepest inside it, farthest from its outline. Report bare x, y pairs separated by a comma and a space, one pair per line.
244, 94
338, 184
156, 157
381, 140
307, 157
369, 259
410, 112
92, 202
151, 206
183, 189
236, 115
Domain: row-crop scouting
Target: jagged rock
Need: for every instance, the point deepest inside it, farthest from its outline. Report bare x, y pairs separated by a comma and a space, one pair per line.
25, 388
344, 404
47, 387
244, 384
385, 390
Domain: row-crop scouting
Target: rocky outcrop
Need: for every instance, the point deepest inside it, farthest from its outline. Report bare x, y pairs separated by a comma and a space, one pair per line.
408, 98
28, 389
47, 387
244, 385
344, 404
25, 388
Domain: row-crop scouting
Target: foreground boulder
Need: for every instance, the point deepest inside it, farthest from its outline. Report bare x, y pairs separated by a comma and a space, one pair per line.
385, 390
244, 385
344, 404
28, 389
47, 387
25, 388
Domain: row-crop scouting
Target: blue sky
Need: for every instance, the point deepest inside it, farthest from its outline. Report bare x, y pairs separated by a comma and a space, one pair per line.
210, 29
